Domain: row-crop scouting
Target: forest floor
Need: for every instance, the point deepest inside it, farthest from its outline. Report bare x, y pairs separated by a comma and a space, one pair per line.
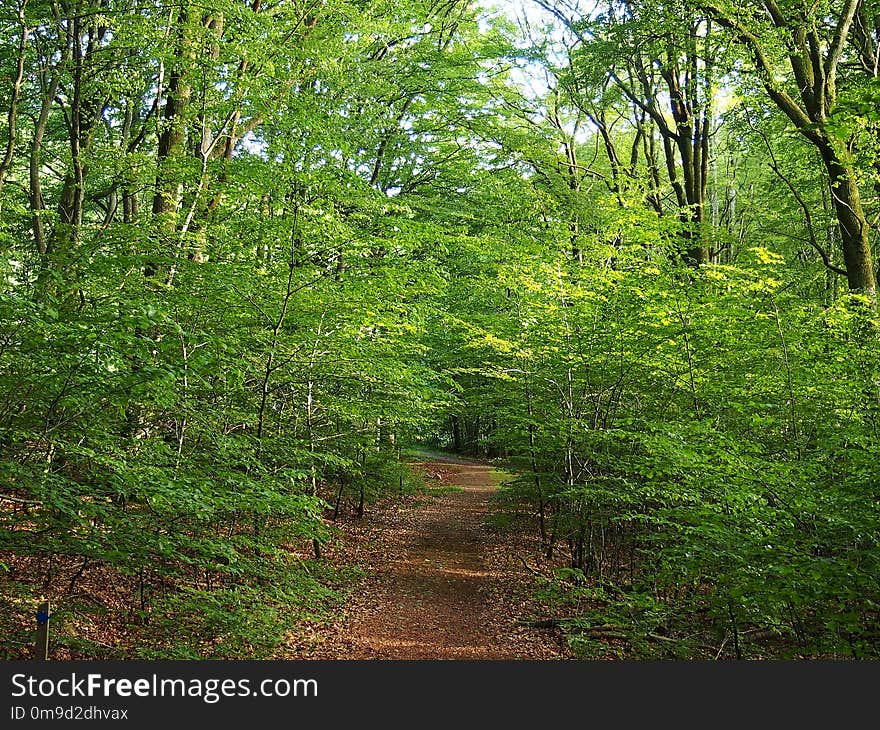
439, 581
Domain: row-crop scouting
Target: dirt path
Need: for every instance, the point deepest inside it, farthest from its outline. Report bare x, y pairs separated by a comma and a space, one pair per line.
440, 583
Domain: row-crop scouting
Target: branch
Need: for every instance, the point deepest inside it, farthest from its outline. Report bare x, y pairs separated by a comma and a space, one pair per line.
836, 50
781, 97
808, 217
19, 500
658, 118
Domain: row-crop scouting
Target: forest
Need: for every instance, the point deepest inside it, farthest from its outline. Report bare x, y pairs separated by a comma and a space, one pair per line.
257, 253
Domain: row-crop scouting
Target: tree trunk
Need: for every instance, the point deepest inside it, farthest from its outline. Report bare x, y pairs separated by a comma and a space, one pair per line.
854, 227
457, 441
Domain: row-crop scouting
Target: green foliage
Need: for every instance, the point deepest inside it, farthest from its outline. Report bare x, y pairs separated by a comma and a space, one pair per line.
702, 442
251, 252
223, 332
227, 623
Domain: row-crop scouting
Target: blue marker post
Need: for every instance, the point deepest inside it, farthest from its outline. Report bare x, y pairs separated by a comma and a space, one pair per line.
41, 649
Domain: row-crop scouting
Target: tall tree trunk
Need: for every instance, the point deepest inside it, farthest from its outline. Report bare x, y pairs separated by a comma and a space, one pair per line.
855, 230
58, 270
172, 137
15, 95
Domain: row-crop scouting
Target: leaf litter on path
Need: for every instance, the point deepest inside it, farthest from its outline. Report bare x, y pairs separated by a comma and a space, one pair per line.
439, 582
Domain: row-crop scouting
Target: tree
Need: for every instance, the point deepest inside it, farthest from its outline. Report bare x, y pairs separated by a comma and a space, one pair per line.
814, 40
